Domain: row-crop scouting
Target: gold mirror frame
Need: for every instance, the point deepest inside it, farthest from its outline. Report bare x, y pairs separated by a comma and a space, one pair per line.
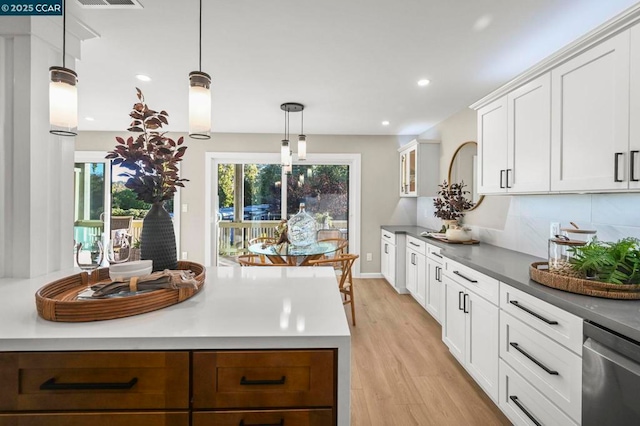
451, 168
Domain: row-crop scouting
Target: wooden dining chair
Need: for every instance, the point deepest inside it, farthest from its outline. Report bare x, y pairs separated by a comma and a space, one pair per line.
254, 260
340, 243
345, 279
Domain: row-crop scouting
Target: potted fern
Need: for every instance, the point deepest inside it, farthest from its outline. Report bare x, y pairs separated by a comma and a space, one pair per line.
614, 263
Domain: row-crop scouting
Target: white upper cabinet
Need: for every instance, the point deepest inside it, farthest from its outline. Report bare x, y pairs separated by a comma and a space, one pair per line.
590, 120
634, 129
514, 137
419, 169
492, 147
529, 137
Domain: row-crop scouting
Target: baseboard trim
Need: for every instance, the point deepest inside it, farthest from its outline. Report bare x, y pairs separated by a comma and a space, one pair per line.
370, 275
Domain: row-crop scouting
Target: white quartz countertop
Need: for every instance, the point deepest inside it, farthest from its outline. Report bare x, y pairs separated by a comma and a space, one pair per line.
238, 308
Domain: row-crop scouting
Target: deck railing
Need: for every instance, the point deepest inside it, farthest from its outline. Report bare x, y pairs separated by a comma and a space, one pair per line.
91, 230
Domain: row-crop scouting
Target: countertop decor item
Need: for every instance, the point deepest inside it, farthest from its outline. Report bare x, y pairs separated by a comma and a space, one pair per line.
152, 159
59, 301
451, 203
442, 236
539, 273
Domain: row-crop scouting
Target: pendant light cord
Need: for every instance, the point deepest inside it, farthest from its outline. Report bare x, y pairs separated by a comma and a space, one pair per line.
302, 122
200, 41
64, 31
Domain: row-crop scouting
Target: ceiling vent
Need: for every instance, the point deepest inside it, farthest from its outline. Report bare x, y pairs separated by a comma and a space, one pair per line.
109, 4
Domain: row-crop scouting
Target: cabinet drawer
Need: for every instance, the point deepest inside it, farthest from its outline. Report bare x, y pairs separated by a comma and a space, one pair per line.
260, 379
96, 419
317, 417
549, 320
94, 380
479, 283
551, 368
417, 245
520, 401
389, 237
433, 252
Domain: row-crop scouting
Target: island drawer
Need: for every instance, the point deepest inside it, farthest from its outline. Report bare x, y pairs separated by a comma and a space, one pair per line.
97, 419
262, 379
44, 381
314, 417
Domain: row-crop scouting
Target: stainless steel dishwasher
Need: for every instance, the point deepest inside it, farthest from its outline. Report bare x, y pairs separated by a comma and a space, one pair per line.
610, 378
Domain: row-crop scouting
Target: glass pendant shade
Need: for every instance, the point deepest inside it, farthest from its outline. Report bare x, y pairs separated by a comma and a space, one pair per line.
302, 147
199, 105
63, 102
285, 158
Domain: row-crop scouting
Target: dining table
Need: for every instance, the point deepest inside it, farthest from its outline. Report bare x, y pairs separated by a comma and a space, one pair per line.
288, 254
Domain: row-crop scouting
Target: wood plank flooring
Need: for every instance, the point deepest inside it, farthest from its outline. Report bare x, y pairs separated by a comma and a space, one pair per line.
402, 373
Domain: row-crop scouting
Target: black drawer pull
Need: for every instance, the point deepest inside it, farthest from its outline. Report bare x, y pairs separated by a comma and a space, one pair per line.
632, 173
468, 279
535, 361
244, 381
529, 311
52, 385
524, 410
280, 423
436, 254
414, 244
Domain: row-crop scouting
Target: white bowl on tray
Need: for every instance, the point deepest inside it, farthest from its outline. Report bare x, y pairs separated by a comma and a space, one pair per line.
137, 268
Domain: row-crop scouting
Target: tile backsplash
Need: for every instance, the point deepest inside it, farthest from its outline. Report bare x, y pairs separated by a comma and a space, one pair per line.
525, 226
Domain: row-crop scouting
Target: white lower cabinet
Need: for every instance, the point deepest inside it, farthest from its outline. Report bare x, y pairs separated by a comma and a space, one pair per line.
470, 327
392, 253
434, 282
524, 405
416, 273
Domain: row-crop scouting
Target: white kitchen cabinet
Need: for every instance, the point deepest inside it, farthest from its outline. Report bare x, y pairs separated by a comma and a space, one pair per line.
470, 324
416, 276
590, 120
434, 282
634, 105
392, 259
419, 168
514, 140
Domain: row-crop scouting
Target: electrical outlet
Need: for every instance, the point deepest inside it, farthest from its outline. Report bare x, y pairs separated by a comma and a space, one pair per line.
184, 255
369, 257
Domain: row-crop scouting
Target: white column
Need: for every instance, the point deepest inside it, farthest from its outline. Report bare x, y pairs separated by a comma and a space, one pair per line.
36, 195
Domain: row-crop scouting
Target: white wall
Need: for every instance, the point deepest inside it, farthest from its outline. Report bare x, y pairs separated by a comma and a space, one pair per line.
381, 203
522, 222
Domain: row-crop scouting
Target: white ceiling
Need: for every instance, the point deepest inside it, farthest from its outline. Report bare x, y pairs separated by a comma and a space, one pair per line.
352, 63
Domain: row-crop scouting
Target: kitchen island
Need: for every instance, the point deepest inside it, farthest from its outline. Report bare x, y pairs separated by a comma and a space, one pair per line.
295, 311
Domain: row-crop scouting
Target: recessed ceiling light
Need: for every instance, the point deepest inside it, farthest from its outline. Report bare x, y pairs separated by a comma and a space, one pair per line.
482, 22
143, 77
385, 123
89, 118
423, 82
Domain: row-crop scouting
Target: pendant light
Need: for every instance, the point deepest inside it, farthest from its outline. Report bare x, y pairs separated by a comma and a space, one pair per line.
199, 96
285, 154
302, 139
63, 93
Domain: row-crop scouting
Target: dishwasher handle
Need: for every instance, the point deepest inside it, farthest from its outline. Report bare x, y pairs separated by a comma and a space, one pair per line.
599, 339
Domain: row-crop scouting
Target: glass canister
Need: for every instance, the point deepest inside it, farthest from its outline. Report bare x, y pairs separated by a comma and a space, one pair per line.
577, 234
560, 255
302, 228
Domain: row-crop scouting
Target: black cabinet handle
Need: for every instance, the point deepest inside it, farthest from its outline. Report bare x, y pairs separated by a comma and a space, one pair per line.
616, 156
468, 279
501, 178
386, 248
460, 293
524, 410
436, 254
530, 312
244, 381
414, 244
507, 180
438, 274
464, 303
280, 423
632, 167
52, 385
413, 258
532, 359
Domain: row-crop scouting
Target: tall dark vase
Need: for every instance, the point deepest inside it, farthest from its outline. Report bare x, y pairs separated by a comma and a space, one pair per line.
158, 241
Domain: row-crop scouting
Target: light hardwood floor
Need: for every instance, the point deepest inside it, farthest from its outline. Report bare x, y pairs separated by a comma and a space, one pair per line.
402, 373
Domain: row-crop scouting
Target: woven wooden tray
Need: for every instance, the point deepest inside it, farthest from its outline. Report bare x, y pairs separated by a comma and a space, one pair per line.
444, 240
57, 301
538, 273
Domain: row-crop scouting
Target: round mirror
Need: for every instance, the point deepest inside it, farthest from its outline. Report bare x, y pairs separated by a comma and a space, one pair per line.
463, 168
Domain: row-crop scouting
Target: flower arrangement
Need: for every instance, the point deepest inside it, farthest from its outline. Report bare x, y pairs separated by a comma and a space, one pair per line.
152, 157
451, 203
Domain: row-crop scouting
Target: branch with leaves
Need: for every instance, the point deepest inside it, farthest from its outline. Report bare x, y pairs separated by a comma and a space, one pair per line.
151, 157
451, 203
